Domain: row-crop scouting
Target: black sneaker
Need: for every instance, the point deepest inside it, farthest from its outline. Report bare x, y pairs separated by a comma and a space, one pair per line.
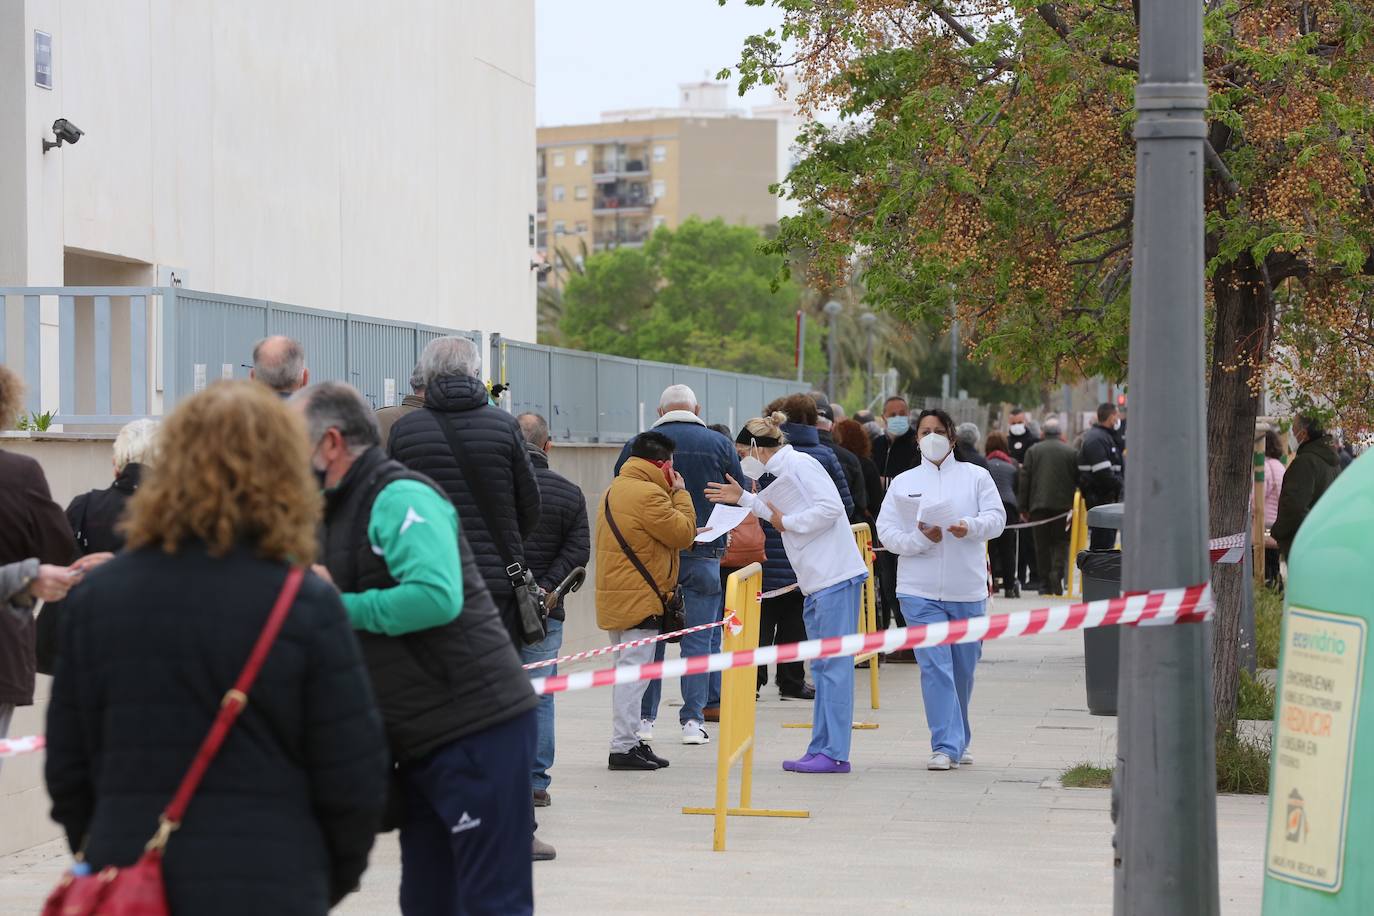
630, 760
646, 752
807, 692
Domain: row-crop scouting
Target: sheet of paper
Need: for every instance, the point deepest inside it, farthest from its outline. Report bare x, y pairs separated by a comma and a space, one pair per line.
937, 513
908, 508
785, 495
723, 518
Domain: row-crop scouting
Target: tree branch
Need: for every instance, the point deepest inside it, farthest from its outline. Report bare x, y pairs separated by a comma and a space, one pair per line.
1228, 180
1078, 262
1050, 14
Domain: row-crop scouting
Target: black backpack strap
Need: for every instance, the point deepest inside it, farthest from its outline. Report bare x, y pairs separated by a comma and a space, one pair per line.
480, 494
630, 555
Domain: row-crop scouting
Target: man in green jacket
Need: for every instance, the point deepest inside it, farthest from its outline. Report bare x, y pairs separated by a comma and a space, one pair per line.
1049, 478
1306, 479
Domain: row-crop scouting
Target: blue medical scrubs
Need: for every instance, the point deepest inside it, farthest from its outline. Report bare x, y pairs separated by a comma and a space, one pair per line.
946, 673
833, 611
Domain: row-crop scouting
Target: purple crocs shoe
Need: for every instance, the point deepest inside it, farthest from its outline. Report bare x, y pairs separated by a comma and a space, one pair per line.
819, 763
791, 765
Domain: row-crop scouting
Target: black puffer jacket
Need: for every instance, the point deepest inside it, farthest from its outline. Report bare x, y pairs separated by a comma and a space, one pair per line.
562, 541
287, 812
94, 516
497, 451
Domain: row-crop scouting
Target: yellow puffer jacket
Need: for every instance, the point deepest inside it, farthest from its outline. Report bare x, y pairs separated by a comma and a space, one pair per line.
656, 524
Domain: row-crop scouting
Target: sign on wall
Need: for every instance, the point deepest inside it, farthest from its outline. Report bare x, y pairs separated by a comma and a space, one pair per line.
42, 60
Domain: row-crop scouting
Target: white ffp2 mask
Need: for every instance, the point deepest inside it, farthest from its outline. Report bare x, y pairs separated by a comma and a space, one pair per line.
934, 447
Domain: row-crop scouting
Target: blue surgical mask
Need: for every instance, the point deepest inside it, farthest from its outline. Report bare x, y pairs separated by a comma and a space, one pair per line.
898, 425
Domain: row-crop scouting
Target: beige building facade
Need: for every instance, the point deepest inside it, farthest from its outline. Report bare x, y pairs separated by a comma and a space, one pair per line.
611, 184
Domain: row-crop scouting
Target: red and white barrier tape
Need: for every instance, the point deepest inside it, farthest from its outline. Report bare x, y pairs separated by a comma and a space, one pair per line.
1170, 606
732, 622
13, 747
1038, 522
1230, 549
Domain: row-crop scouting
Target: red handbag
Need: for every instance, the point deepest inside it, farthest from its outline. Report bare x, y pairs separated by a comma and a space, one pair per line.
138, 890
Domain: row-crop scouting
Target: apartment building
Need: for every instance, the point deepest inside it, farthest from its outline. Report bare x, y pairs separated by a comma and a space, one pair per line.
612, 183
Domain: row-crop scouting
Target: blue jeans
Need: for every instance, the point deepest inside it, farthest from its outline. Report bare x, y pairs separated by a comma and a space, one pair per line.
542, 651
946, 673
833, 611
701, 591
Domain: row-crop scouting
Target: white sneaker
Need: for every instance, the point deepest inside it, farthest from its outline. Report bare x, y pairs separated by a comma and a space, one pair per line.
966, 759
646, 730
941, 761
694, 733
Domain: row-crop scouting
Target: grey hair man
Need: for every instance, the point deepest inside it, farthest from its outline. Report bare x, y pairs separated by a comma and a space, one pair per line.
392, 547
1313, 468
701, 456
387, 416
1048, 482
559, 544
95, 516
279, 363
476, 453
966, 437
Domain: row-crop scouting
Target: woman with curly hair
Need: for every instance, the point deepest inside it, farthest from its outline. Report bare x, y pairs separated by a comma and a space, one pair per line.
286, 814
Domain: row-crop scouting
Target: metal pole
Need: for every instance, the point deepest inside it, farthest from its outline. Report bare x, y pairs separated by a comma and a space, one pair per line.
1165, 783
801, 344
833, 309
869, 320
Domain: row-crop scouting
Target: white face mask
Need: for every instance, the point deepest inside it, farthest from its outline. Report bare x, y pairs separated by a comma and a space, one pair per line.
934, 447
1018, 429
752, 467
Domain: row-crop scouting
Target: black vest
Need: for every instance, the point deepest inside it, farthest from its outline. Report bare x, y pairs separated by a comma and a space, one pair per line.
437, 685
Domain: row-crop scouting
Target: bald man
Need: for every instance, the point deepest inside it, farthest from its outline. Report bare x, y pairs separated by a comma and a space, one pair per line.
279, 363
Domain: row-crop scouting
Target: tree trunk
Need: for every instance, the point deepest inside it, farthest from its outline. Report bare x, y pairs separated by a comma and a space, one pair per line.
1240, 348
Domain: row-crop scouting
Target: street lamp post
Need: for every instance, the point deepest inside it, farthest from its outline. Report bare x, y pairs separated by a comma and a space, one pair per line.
870, 322
832, 309
1164, 788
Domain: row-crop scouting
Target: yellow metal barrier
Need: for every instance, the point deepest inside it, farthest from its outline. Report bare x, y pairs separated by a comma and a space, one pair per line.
868, 611
735, 738
1078, 540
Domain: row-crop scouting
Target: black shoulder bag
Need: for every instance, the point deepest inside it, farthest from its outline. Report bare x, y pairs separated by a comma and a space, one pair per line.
674, 607
528, 598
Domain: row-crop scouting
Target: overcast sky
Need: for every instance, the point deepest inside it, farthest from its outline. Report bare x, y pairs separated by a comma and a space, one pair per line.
594, 55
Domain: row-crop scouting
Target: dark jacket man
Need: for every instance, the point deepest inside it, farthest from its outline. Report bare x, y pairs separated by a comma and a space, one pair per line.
33, 526
1049, 477
894, 456
853, 474
494, 447
1099, 467
94, 516
1019, 436
1310, 472
562, 540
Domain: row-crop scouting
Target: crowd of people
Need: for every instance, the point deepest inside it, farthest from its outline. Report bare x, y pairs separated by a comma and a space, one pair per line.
438, 544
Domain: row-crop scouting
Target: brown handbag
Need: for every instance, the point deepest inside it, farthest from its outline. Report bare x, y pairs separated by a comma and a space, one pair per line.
746, 544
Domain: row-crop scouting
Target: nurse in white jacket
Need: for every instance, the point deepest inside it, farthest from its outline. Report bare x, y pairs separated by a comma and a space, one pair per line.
942, 574
830, 574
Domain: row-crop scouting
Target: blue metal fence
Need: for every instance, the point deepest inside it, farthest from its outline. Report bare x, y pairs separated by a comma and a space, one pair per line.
592, 397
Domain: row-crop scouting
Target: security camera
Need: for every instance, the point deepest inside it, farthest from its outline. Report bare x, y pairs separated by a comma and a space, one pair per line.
65, 131
541, 270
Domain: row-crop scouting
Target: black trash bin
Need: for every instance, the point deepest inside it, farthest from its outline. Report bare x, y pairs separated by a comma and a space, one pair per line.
1101, 570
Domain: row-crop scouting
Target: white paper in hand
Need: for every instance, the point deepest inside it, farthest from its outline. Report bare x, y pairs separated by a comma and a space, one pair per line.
723, 518
908, 508
785, 496
937, 513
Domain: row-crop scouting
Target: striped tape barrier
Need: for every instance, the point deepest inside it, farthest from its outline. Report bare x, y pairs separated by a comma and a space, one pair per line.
13, 747
732, 622
1178, 605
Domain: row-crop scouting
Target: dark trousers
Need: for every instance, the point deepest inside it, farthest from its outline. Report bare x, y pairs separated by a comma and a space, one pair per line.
1273, 576
469, 821
780, 622
885, 564
1002, 551
1051, 549
1027, 564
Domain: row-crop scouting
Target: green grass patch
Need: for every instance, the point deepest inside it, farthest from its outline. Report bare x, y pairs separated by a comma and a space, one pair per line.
1254, 698
1268, 626
1086, 776
1242, 765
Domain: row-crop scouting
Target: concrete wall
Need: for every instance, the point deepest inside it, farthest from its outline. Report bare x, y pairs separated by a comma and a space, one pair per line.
77, 463
340, 154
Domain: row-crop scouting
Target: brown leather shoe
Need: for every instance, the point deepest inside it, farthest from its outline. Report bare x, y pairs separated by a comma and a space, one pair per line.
542, 798
711, 713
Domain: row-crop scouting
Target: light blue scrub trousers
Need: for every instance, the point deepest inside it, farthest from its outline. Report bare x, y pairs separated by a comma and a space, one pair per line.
833, 611
946, 673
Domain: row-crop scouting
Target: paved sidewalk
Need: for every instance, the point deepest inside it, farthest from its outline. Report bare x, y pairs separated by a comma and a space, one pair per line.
998, 837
